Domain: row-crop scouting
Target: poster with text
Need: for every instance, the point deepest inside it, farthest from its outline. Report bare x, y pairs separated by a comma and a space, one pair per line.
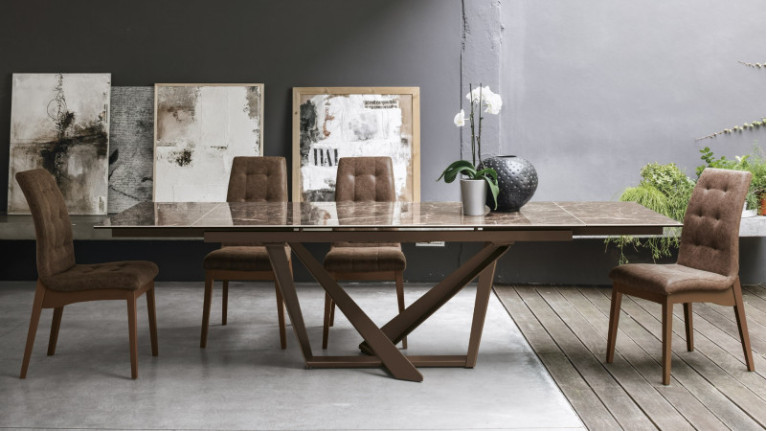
330, 123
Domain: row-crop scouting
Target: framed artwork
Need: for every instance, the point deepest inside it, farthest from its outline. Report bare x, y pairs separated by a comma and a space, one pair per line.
334, 122
131, 147
199, 129
60, 122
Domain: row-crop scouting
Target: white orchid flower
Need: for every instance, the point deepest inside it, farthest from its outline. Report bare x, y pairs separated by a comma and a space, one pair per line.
491, 101
460, 119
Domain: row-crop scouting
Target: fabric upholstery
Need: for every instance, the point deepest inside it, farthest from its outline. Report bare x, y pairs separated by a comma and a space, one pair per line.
708, 251
124, 275
365, 179
53, 228
362, 179
669, 278
363, 257
258, 179
253, 179
55, 249
239, 258
712, 222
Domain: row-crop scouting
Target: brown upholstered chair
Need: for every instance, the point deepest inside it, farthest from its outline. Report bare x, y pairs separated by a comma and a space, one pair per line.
706, 269
253, 179
364, 179
61, 281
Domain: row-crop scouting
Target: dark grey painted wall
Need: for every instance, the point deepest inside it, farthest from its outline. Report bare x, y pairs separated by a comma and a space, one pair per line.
282, 43
592, 90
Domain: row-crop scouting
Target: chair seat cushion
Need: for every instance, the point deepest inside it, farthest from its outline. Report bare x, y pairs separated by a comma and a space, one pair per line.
240, 258
124, 275
669, 278
365, 257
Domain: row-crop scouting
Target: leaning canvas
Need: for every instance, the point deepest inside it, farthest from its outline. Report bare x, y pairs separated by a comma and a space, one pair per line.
334, 122
60, 122
131, 147
199, 129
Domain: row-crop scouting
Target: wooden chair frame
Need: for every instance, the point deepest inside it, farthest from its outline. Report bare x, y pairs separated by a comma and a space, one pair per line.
225, 276
330, 306
47, 298
732, 296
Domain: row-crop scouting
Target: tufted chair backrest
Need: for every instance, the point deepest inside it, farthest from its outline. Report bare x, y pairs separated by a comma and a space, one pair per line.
53, 229
361, 179
710, 234
258, 179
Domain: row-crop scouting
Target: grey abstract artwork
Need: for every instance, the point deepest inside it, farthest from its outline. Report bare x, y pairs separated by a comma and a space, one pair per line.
199, 129
131, 147
60, 122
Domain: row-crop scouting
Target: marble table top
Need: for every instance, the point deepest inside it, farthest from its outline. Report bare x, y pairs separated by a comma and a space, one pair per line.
586, 217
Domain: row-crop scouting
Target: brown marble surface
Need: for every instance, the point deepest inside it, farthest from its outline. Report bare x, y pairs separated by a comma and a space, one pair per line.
406, 215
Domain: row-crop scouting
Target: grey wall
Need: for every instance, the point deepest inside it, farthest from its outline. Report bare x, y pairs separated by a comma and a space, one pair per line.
282, 43
592, 90
597, 89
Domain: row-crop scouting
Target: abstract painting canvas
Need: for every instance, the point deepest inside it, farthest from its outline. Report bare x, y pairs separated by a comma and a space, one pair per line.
199, 129
334, 122
131, 147
60, 122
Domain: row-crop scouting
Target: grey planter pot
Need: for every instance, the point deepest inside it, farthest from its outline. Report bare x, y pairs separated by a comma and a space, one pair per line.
473, 194
517, 181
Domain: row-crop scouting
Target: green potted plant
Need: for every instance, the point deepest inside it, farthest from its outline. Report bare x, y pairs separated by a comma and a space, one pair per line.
478, 179
754, 163
664, 189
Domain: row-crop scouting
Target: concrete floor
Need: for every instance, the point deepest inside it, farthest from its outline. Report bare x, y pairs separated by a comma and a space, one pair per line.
244, 381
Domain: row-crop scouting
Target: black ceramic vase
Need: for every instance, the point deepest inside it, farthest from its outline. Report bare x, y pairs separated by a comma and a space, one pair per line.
517, 181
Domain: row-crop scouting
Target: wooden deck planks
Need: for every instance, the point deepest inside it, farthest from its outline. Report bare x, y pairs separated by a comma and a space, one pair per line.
715, 364
635, 379
631, 332
592, 412
567, 328
757, 290
728, 355
588, 365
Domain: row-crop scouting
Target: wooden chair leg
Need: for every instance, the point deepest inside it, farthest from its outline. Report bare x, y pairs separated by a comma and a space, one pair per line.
55, 325
224, 302
206, 310
281, 317
332, 311
150, 308
400, 283
740, 317
326, 321
688, 325
667, 321
37, 308
132, 330
612, 331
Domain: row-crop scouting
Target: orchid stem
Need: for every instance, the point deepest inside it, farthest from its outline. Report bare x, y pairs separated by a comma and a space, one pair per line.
479, 135
471, 120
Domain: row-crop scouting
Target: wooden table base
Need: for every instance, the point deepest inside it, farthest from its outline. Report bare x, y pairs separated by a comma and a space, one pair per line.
380, 342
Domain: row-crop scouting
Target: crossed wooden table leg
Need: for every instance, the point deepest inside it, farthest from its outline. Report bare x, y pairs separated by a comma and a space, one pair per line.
380, 342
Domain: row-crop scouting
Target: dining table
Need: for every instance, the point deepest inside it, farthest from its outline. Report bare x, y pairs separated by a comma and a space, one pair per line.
276, 224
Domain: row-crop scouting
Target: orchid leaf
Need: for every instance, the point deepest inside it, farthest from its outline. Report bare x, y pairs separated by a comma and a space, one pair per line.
460, 167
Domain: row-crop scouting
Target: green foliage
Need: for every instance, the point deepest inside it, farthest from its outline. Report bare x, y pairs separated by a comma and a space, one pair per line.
466, 168
664, 189
737, 129
754, 163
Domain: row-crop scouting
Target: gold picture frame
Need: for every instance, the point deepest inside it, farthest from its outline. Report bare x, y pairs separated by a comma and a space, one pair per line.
334, 122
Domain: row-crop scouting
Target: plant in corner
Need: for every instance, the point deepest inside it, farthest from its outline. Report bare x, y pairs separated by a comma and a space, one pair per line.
664, 189
479, 98
754, 163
